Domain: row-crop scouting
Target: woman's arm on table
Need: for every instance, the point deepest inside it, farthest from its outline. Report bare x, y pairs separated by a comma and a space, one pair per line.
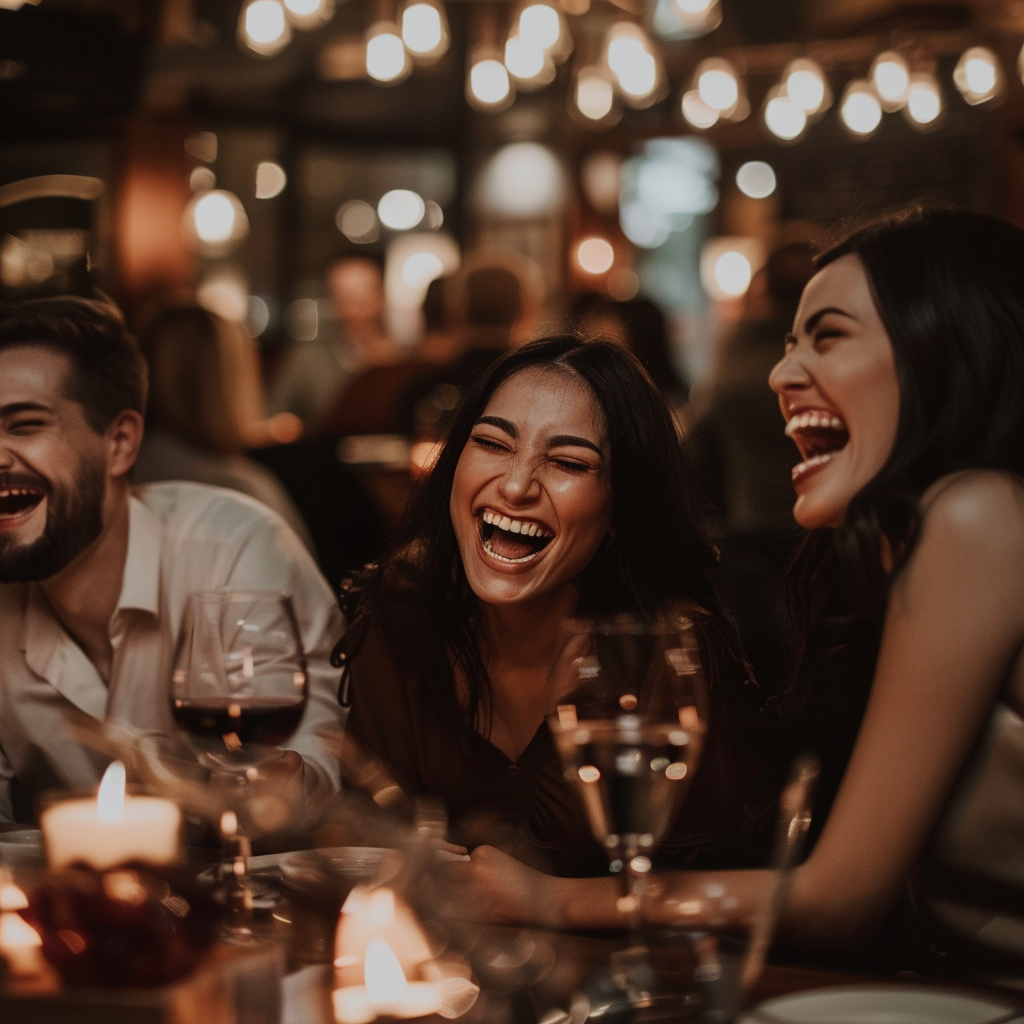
953, 630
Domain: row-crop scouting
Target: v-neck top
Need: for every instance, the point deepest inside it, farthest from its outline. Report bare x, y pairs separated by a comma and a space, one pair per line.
526, 807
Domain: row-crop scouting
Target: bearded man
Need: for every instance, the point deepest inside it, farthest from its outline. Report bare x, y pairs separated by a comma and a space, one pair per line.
95, 575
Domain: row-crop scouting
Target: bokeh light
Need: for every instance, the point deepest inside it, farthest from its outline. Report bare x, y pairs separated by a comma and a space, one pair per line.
718, 85
270, 180
924, 100
357, 221
264, 27
401, 209
785, 120
891, 78
523, 59
756, 179
540, 25
489, 83
806, 85
978, 76
386, 59
595, 94
697, 112
595, 255
860, 110
424, 31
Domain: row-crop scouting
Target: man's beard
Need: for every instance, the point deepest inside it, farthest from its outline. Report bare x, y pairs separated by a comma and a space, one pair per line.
74, 519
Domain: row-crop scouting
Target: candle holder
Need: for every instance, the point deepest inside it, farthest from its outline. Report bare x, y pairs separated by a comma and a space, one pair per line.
134, 925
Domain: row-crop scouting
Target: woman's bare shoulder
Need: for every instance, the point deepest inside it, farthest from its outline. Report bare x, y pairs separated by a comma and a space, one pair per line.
987, 503
972, 531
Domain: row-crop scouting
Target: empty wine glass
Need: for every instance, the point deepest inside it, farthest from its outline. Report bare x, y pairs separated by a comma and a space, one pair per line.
629, 728
238, 690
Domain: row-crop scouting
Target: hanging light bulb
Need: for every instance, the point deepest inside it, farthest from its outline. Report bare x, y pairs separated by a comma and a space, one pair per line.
386, 59
308, 14
425, 30
785, 120
718, 85
891, 79
697, 112
594, 94
924, 100
263, 27
529, 65
631, 59
488, 86
540, 25
806, 86
860, 110
978, 75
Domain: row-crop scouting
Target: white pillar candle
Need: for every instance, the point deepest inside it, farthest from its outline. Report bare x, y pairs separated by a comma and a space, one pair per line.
112, 829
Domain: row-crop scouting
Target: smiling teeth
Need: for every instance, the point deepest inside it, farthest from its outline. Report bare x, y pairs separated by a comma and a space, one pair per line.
513, 526
16, 493
814, 460
813, 419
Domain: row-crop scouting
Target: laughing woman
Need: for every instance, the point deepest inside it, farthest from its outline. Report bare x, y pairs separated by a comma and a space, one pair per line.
903, 386
561, 489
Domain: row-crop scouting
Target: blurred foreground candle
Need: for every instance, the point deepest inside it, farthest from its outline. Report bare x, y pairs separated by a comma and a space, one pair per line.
20, 944
111, 829
379, 946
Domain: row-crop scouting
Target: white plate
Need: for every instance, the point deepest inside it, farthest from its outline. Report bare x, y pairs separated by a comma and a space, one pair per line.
882, 1004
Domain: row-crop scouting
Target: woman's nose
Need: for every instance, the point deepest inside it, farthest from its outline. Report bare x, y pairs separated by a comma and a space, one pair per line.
788, 374
520, 482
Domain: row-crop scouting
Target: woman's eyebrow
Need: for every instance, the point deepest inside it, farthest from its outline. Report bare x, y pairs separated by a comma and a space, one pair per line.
501, 423
812, 321
560, 440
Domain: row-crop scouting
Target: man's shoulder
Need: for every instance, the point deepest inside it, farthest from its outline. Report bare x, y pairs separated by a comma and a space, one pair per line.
204, 511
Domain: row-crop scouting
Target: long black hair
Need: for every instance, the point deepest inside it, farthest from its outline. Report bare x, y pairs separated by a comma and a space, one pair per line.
657, 552
949, 287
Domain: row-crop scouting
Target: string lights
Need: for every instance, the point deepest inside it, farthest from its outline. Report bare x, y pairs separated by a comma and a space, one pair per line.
625, 66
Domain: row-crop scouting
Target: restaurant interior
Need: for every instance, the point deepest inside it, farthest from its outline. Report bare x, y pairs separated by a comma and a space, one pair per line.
324, 220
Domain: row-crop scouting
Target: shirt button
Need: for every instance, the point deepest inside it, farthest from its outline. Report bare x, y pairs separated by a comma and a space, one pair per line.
513, 769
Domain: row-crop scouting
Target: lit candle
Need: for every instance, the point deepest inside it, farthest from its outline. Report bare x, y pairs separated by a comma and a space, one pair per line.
379, 931
111, 829
20, 944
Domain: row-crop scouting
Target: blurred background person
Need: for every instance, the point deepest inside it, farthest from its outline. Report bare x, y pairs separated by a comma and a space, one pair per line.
494, 306
315, 371
639, 325
206, 409
745, 460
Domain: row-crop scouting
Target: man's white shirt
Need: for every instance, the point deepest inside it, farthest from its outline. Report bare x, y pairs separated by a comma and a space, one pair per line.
182, 538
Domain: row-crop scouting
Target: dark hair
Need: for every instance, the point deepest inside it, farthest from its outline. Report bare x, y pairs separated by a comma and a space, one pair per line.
947, 284
657, 554
108, 371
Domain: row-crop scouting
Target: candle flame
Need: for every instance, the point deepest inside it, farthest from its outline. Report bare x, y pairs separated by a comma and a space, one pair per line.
12, 898
385, 979
16, 932
110, 798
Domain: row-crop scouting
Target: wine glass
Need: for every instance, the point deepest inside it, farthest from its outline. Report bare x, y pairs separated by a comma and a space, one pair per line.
238, 690
629, 728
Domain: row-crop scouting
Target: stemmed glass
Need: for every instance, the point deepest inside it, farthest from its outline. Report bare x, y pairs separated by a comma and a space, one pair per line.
238, 690
629, 728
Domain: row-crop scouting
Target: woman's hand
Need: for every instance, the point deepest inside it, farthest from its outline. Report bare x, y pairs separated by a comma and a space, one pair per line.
499, 889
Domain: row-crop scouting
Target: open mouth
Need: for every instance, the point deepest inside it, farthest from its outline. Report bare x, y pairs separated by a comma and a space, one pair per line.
16, 502
512, 540
820, 435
